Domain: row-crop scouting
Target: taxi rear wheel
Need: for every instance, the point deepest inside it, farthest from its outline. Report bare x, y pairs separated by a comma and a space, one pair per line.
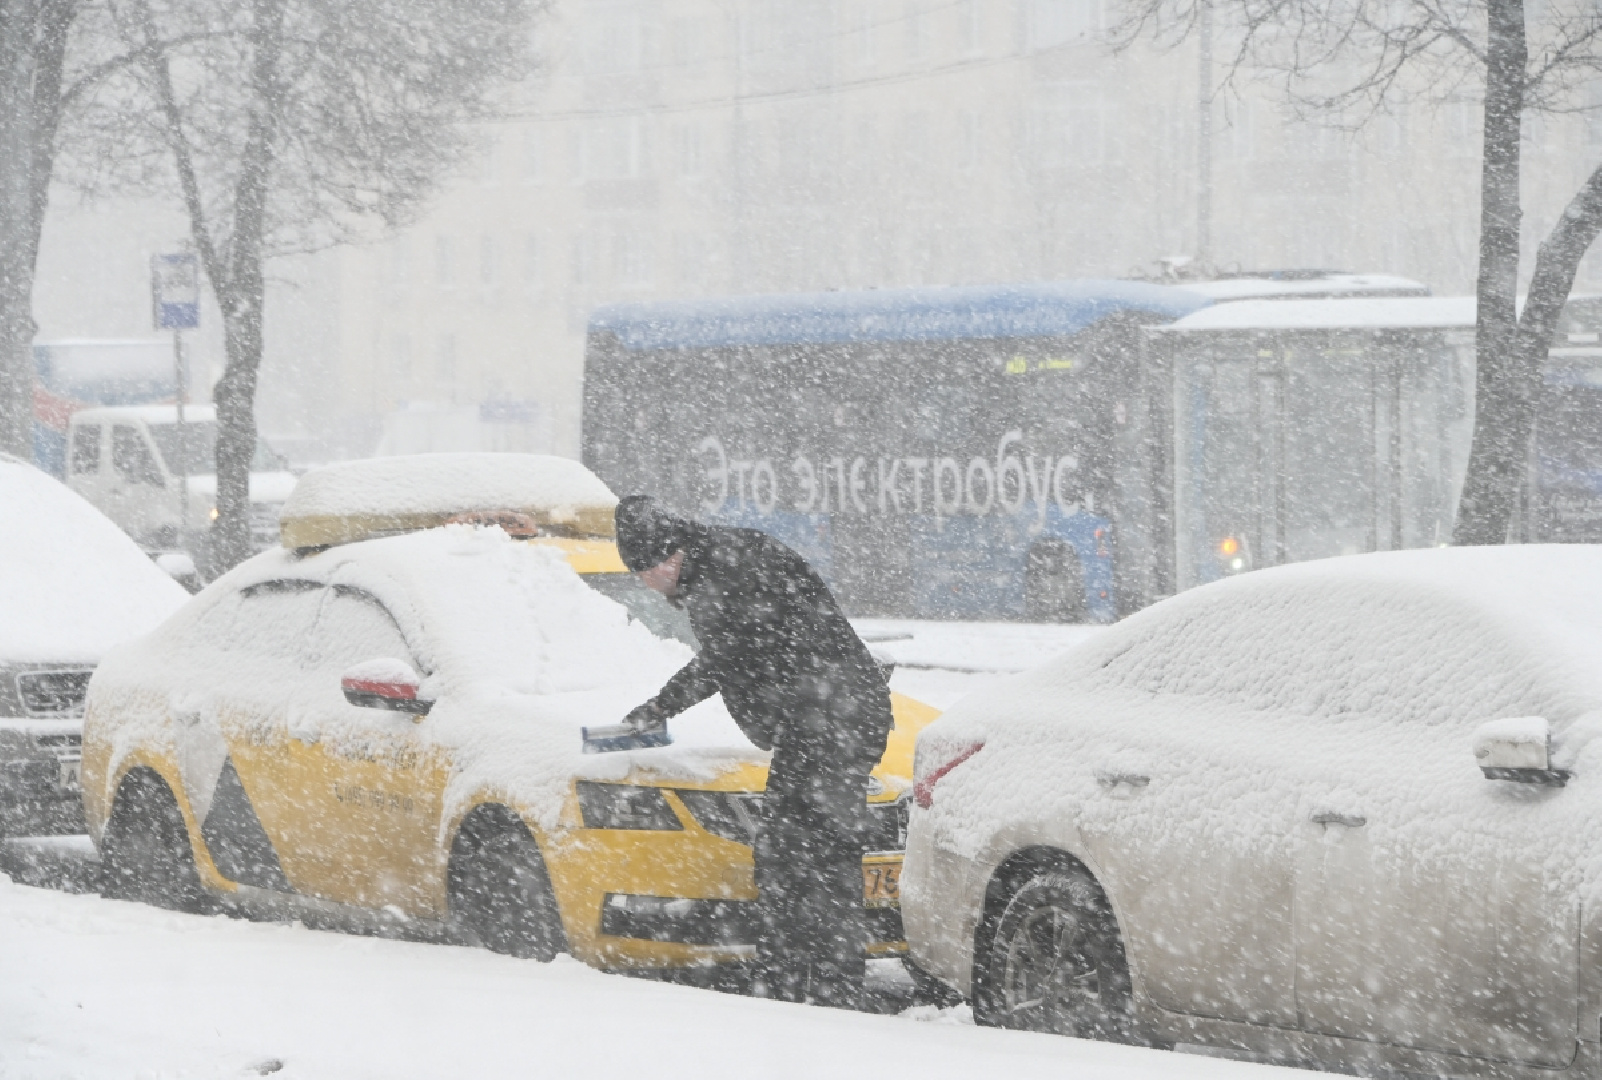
1056, 963
145, 850
501, 895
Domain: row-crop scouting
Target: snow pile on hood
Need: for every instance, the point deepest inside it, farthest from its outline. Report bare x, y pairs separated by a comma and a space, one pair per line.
72, 584
446, 484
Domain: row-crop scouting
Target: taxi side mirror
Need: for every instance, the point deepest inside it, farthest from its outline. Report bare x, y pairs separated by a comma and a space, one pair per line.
1518, 749
385, 684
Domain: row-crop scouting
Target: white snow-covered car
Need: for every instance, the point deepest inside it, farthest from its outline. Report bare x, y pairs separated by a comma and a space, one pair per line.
1345, 812
71, 587
157, 479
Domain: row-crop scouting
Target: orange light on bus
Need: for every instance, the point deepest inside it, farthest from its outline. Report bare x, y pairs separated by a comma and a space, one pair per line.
1230, 546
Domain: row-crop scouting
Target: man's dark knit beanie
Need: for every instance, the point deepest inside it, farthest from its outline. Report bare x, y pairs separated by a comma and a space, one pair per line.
646, 534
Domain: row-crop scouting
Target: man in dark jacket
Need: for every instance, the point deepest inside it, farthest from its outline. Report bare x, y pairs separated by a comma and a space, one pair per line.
799, 682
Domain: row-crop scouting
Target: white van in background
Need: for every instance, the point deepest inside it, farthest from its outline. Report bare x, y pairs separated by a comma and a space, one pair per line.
133, 463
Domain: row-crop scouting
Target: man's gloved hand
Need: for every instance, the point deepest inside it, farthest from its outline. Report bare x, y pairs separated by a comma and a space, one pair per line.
647, 718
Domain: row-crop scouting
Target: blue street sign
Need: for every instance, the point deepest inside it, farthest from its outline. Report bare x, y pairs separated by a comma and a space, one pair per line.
175, 291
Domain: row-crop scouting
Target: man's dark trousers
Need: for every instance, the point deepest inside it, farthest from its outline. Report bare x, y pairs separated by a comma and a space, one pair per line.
809, 855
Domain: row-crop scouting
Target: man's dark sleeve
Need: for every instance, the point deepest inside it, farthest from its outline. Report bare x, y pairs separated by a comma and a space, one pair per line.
690, 685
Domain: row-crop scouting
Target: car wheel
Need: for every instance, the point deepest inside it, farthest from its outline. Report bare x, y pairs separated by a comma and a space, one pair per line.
501, 896
1056, 962
145, 853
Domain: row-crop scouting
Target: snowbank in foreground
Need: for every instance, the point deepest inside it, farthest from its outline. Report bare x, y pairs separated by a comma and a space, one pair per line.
97, 988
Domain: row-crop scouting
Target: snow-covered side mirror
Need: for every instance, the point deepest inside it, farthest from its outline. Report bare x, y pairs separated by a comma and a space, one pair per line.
385, 684
179, 566
1518, 749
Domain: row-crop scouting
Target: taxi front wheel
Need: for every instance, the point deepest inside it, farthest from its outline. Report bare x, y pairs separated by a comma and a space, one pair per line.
145, 851
501, 895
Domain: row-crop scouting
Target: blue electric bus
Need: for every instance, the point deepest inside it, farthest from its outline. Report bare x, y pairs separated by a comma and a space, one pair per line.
964, 452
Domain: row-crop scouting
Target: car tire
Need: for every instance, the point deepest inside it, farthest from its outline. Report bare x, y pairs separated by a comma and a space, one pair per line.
145, 852
501, 896
1055, 962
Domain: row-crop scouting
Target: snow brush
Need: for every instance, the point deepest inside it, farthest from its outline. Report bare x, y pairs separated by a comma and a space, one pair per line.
612, 737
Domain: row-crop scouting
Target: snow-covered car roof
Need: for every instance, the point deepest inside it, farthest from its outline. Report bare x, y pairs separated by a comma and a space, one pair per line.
1520, 622
72, 584
358, 500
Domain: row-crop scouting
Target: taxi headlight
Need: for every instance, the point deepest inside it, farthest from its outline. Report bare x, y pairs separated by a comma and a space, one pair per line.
733, 815
625, 806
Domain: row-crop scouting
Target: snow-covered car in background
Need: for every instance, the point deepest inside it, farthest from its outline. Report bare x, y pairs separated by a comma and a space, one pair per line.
71, 586
157, 478
1346, 812
385, 713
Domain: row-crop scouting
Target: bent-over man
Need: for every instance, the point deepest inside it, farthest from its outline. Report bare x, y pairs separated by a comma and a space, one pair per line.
799, 682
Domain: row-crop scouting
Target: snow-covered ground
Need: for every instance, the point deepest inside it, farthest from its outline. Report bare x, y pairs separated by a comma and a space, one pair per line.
98, 988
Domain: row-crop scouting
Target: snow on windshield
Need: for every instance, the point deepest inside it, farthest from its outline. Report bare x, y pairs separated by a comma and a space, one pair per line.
71, 583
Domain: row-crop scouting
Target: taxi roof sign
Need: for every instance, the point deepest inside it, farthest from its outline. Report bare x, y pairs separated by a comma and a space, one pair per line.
360, 500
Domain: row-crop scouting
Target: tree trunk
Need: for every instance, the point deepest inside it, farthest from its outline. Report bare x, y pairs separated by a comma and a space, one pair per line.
1503, 395
33, 39
242, 293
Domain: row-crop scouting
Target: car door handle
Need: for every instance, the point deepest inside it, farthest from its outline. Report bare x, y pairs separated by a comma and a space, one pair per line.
1346, 821
1110, 780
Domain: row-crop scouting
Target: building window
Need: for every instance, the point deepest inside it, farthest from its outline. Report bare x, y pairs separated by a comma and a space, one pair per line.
970, 136
399, 263
533, 156
632, 259
688, 152
488, 154
445, 362
970, 27
612, 149
1062, 22
917, 32
531, 261
401, 357
614, 45
865, 35
583, 260
691, 254
486, 260
444, 262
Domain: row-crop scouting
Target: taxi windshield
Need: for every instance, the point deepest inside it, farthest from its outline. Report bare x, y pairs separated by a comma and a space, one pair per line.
645, 605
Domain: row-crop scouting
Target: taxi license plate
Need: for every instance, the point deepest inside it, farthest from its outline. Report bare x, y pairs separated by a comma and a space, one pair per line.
881, 882
71, 773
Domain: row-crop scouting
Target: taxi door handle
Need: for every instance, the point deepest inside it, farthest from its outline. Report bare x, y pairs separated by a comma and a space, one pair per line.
1110, 780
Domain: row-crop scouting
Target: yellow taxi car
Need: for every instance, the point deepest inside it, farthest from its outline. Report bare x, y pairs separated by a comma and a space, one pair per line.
383, 716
